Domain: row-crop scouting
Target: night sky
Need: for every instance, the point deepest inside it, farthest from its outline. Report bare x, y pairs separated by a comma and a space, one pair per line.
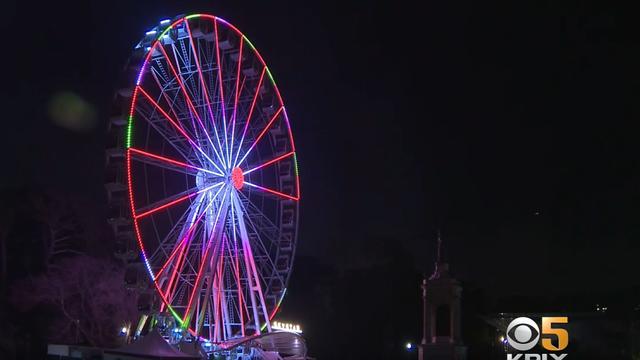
509, 126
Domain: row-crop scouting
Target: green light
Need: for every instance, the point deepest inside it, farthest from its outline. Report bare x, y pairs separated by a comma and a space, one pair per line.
175, 315
295, 165
249, 42
254, 49
129, 130
270, 76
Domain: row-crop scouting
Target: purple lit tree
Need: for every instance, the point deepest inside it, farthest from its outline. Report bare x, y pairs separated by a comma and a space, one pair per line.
86, 296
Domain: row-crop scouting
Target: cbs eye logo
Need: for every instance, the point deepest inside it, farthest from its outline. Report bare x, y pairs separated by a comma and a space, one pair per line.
523, 333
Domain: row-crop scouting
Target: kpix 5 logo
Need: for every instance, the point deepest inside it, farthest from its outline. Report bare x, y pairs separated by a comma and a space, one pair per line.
523, 334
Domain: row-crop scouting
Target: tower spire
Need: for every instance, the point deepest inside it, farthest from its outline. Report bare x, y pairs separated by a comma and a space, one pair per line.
441, 268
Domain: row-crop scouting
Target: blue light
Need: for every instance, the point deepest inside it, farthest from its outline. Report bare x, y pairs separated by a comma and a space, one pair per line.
152, 32
409, 346
165, 21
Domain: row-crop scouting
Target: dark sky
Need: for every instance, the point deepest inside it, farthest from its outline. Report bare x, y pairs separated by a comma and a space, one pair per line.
510, 126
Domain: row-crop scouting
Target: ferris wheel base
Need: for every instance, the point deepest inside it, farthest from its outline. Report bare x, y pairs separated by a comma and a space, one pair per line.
270, 346
278, 345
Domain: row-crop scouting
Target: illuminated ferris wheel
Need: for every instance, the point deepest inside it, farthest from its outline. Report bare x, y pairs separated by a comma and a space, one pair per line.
212, 178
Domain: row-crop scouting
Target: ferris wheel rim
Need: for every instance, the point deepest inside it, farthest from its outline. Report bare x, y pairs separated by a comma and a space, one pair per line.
139, 91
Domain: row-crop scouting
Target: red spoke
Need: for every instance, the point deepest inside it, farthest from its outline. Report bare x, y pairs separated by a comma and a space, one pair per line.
182, 244
168, 292
188, 98
266, 128
180, 263
269, 162
177, 126
296, 198
204, 261
253, 103
169, 204
170, 161
176, 201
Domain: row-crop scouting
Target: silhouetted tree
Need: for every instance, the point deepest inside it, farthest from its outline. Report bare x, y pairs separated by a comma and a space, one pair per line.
87, 297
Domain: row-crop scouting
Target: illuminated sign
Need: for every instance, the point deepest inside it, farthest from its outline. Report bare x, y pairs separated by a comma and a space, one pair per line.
277, 325
523, 334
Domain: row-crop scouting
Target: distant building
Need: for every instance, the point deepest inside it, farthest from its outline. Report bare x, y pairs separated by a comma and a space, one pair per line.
441, 295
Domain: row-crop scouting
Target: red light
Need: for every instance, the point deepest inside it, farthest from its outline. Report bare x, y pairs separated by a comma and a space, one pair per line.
237, 178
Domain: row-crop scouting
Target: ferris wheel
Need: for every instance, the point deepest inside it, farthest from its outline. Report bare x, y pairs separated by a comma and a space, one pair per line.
212, 178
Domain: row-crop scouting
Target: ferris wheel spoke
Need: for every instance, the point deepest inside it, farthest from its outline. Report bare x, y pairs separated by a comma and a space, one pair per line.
235, 101
178, 227
262, 244
253, 278
207, 256
166, 163
179, 264
235, 256
176, 199
207, 100
185, 238
187, 98
192, 227
271, 191
164, 89
264, 131
181, 146
246, 124
253, 211
269, 162
173, 103
220, 82
179, 128
181, 79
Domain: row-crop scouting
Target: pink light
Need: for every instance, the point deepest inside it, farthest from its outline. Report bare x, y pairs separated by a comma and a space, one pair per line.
253, 103
186, 236
271, 191
224, 116
269, 162
235, 102
237, 271
204, 88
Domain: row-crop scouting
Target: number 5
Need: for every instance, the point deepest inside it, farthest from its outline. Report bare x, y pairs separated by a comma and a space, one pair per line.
561, 334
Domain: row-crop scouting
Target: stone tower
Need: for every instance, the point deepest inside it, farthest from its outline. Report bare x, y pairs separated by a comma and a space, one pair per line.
441, 294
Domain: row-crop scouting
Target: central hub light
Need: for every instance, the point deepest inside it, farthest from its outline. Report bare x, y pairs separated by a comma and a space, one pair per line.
237, 178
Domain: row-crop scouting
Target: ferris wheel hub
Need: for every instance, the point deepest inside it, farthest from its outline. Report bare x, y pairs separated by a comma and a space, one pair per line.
237, 178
